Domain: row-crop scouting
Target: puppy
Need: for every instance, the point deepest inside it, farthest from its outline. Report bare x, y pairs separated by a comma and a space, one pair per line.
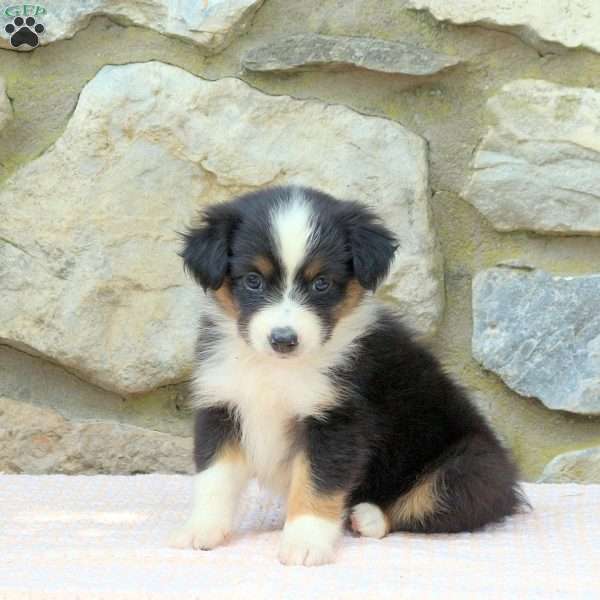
304, 380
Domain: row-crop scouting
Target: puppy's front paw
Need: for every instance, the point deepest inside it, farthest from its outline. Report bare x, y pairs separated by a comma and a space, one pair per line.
309, 541
200, 535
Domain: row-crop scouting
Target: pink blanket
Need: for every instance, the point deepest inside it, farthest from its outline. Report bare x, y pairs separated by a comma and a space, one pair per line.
104, 537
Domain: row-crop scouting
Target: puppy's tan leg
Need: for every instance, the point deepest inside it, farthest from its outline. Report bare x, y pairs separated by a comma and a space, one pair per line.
314, 520
217, 489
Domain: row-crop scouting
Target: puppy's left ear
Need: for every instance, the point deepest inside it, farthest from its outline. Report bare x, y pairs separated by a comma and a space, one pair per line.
206, 247
372, 246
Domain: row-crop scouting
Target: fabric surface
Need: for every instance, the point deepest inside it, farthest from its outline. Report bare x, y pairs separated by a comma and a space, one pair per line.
104, 537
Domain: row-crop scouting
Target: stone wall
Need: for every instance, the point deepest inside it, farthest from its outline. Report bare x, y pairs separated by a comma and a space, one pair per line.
474, 130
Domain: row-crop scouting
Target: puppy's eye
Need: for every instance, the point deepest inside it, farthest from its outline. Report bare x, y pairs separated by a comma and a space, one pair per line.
253, 282
321, 284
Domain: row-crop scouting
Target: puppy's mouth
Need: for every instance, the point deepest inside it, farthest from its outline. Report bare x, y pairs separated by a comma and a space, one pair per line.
283, 357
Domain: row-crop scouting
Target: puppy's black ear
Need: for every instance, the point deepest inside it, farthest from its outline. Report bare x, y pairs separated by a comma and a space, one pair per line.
372, 246
206, 247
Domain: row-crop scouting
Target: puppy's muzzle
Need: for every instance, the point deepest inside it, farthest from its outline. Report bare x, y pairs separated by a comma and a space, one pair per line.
283, 340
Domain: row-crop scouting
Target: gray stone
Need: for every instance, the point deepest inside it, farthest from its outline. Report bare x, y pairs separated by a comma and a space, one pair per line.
309, 51
36, 381
579, 466
39, 440
210, 24
541, 335
572, 24
88, 240
5, 106
538, 166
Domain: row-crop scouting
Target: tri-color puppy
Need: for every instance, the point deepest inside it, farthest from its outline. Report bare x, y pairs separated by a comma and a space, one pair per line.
304, 380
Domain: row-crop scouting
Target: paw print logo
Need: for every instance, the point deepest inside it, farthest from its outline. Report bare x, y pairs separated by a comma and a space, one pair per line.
24, 31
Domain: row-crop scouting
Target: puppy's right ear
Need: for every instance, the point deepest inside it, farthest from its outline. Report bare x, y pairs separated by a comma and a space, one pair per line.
206, 247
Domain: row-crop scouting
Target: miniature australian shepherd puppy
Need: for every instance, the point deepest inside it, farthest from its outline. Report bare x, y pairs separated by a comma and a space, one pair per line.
305, 381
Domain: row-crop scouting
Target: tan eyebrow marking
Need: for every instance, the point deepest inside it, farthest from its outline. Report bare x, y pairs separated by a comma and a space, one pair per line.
313, 269
264, 266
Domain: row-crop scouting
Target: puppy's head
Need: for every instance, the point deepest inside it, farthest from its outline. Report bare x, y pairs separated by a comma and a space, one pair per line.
288, 264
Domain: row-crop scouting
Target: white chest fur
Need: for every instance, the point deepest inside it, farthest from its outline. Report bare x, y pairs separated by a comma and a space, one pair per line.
269, 396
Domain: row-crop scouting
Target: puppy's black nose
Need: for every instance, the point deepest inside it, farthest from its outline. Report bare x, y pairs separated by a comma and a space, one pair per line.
283, 339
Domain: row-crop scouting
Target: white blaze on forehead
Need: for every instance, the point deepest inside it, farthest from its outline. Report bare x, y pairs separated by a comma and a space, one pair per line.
293, 229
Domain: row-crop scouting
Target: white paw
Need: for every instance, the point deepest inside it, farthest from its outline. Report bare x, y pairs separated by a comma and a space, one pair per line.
368, 520
309, 541
200, 535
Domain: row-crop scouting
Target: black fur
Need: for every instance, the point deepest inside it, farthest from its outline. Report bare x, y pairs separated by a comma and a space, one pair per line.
214, 427
206, 248
416, 420
372, 245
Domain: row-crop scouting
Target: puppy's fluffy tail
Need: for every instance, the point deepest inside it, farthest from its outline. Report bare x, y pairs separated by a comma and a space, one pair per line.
477, 485
474, 483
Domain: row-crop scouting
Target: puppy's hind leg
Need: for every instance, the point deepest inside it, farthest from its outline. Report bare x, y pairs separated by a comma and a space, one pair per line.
474, 484
369, 520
